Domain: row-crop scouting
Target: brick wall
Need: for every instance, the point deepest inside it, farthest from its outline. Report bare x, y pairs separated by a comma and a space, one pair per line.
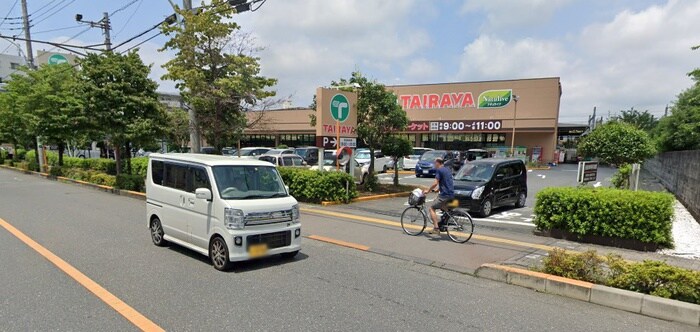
679, 172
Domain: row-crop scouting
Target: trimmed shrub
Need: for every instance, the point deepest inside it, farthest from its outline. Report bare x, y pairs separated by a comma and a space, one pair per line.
9, 162
637, 215
55, 171
139, 166
621, 179
20, 154
314, 186
649, 277
3, 156
103, 179
129, 182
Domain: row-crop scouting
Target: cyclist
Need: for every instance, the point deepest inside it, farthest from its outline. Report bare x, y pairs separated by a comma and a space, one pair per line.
445, 184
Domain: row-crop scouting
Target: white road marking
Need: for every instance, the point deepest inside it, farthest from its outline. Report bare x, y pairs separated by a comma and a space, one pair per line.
597, 184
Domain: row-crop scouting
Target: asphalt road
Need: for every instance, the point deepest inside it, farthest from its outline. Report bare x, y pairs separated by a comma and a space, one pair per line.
325, 288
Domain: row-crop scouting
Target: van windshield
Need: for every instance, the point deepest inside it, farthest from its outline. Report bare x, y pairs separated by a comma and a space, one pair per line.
248, 182
477, 172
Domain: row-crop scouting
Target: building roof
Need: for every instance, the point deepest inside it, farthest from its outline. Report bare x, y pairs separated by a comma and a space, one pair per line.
208, 159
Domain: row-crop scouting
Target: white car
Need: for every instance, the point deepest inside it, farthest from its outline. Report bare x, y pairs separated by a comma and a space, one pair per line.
286, 160
277, 152
410, 161
251, 153
329, 165
227, 209
380, 161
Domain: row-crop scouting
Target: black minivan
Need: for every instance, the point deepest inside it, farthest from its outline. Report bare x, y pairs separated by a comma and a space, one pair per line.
482, 185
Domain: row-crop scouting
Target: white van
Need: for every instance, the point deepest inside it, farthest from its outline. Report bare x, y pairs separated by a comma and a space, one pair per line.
228, 209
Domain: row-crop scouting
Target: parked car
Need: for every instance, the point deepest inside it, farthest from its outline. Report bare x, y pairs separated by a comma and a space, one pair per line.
380, 161
309, 153
207, 150
426, 163
226, 209
277, 152
476, 154
482, 185
329, 165
286, 160
252, 152
410, 161
229, 151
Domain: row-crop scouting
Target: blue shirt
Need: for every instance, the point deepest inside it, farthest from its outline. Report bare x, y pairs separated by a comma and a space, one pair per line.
445, 182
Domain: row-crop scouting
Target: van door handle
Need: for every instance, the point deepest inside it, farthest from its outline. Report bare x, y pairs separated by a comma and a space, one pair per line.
191, 200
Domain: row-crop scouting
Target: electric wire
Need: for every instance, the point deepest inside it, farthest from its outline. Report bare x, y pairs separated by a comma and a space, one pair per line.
71, 38
8, 13
57, 29
42, 7
142, 42
54, 13
129, 19
123, 7
37, 16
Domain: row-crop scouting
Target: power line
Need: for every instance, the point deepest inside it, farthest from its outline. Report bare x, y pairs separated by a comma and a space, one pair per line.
142, 42
129, 19
123, 7
57, 29
55, 12
71, 38
9, 12
42, 7
48, 10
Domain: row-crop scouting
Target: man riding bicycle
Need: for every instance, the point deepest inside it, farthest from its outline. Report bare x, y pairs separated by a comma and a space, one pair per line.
445, 184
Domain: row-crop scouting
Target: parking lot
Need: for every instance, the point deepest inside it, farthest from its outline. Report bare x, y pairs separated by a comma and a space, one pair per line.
558, 176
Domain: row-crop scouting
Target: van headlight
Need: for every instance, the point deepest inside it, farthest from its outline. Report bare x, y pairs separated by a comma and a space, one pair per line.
295, 214
476, 194
234, 218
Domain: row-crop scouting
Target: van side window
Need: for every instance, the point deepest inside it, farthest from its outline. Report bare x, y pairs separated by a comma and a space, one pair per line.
198, 179
157, 172
516, 169
175, 176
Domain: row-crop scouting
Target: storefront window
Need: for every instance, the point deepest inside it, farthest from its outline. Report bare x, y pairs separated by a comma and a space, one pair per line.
258, 140
295, 140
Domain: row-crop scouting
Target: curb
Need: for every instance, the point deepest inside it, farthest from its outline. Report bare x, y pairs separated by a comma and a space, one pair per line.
108, 189
538, 168
647, 305
368, 198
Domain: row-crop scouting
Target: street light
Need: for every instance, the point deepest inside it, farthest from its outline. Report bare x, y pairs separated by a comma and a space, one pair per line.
512, 139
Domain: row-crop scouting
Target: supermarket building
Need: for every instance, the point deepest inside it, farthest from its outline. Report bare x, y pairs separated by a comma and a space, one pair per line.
451, 116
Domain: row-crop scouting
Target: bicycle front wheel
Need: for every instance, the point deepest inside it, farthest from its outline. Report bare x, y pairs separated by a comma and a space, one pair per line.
413, 221
460, 226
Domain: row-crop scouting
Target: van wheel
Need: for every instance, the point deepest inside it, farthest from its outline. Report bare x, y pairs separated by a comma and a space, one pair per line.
289, 255
157, 233
521, 200
486, 208
218, 252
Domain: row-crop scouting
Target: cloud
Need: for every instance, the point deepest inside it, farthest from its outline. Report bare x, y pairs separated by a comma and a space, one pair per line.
638, 58
502, 14
309, 43
421, 70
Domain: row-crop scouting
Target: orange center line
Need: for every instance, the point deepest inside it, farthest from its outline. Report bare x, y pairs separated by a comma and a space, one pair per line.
136, 318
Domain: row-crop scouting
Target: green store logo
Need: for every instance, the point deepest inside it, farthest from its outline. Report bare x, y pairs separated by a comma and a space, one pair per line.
495, 98
57, 59
340, 108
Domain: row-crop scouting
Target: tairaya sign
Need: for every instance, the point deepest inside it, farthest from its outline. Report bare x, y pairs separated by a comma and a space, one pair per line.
456, 100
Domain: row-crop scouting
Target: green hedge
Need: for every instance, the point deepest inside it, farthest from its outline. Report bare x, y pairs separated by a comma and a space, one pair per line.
89, 176
649, 277
130, 182
314, 186
637, 215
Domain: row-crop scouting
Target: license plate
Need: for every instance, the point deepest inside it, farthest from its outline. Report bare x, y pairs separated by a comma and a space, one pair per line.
257, 250
426, 172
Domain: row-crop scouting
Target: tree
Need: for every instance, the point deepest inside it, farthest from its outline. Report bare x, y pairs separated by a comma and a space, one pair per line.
16, 118
642, 120
681, 129
378, 115
57, 105
396, 148
121, 100
216, 71
178, 129
617, 143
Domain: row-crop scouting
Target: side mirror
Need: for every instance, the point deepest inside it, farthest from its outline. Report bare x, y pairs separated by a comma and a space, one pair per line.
203, 193
286, 187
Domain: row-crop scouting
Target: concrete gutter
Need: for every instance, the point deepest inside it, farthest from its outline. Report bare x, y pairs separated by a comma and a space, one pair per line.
648, 305
369, 198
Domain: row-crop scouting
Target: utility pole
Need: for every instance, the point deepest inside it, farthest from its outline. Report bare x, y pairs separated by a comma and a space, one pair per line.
30, 62
103, 24
194, 126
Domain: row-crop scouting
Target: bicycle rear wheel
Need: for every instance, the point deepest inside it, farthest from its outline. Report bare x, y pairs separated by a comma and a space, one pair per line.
460, 226
413, 221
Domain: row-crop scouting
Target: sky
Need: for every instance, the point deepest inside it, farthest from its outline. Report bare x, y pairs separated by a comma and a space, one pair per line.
609, 54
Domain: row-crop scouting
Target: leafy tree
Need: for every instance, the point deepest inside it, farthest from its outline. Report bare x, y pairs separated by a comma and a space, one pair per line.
16, 118
178, 129
378, 115
642, 120
57, 105
396, 148
681, 129
216, 71
121, 100
617, 143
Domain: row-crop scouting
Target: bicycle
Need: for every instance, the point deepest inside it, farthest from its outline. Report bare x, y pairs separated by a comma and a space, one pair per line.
456, 222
